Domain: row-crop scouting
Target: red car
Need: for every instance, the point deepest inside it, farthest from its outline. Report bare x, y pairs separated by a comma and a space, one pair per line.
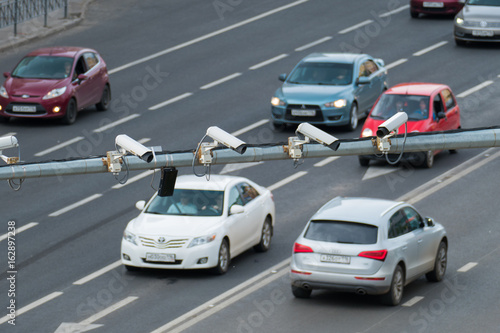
433, 7
430, 107
55, 82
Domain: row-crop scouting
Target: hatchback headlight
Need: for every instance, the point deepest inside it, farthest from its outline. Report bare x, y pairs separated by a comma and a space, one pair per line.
202, 240
275, 101
129, 237
367, 132
3, 92
340, 103
55, 93
459, 21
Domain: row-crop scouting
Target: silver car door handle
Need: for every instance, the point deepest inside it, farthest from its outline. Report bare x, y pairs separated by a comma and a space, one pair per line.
420, 241
404, 248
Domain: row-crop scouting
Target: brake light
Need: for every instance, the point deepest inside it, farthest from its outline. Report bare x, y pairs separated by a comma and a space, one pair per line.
299, 248
377, 255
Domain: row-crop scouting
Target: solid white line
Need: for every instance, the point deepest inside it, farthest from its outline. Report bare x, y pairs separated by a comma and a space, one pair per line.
250, 127
286, 180
326, 161
354, 27
207, 36
133, 179
217, 82
396, 63
116, 123
108, 310
413, 301
319, 41
33, 305
430, 48
98, 273
170, 101
267, 62
19, 230
467, 267
400, 9
144, 140
75, 205
474, 89
59, 146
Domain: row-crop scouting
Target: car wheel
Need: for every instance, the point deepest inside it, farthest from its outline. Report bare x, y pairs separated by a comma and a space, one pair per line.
265, 238
70, 116
439, 265
363, 161
224, 259
459, 42
429, 159
301, 292
395, 294
353, 117
413, 14
132, 268
103, 104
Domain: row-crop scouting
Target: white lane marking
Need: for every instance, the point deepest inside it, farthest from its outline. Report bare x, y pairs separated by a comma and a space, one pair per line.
98, 273
170, 101
269, 61
286, 180
413, 301
354, 27
396, 63
59, 146
19, 230
467, 267
430, 48
238, 166
75, 205
33, 305
377, 171
133, 179
144, 140
474, 89
217, 82
397, 10
108, 310
326, 161
116, 123
250, 127
207, 36
319, 41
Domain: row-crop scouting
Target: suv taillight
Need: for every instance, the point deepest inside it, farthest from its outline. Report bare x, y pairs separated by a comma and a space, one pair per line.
377, 255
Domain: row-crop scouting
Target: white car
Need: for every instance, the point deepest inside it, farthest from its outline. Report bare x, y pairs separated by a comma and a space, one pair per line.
202, 225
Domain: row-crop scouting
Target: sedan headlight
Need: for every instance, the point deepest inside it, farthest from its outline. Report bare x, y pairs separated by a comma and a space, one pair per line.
340, 103
129, 237
3, 92
55, 93
202, 240
459, 21
275, 101
367, 132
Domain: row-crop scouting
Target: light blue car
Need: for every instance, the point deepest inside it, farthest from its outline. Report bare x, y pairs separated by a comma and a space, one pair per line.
333, 89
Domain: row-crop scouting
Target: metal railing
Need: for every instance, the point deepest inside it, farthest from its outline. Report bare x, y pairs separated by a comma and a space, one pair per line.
13, 12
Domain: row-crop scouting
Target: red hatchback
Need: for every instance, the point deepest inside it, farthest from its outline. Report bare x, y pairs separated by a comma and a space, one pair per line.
430, 107
433, 7
55, 82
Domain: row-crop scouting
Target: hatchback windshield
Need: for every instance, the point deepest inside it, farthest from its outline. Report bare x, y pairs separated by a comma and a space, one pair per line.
322, 73
188, 202
43, 67
484, 2
341, 232
417, 107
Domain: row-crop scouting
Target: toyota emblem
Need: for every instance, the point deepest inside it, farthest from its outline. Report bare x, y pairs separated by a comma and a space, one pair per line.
161, 240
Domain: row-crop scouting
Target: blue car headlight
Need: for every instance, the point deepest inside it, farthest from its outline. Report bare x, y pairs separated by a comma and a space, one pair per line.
340, 103
275, 101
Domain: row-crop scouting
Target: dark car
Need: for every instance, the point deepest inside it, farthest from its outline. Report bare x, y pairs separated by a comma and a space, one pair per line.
55, 82
435, 7
478, 21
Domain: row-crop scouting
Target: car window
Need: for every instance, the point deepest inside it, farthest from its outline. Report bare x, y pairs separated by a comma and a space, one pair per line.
43, 67
370, 67
398, 225
413, 219
449, 101
81, 66
437, 105
326, 73
235, 197
248, 193
341, 232
90, 59
416, 106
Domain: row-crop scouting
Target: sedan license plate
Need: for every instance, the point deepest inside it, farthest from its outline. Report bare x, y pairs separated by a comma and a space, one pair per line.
303, 113
335, 259
164, 257
482, 33
24, 108
433, 4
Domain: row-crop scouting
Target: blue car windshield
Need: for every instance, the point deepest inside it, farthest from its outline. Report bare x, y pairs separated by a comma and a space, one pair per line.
417, 107
188, 202
43, 67
318, 73
484, 2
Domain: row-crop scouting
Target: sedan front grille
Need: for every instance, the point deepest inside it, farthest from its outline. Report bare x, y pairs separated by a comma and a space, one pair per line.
164, 244
477, 24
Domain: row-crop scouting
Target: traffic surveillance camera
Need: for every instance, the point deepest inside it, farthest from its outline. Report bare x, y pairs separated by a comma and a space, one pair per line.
134, 147
227, 139
7, 142
392, 124
318, 135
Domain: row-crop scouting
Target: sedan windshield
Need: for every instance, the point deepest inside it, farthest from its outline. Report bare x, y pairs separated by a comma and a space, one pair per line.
341, 232
484, 2
322, 73
417, 107
188, 202
43, 67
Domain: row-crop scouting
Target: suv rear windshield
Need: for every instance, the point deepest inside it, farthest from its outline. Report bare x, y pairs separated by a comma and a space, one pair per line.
341, 232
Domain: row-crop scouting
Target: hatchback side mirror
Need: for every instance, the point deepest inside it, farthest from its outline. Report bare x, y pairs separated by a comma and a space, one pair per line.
441, 115
282, 77
6, 75
82, 77
140, 204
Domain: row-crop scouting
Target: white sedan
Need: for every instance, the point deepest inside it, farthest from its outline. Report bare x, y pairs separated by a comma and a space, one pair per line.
202, 225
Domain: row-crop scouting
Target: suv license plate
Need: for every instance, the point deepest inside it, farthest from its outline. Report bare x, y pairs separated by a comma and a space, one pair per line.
21, 108
303, 113
335, 259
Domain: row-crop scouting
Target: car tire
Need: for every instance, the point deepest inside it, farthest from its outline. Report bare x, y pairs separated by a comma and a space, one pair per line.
353, 117
223, 259
395, 294
299, 292
439, 264
413, 14
132, 268
71, 111
363, 161
429, 159
265, 238
103, 104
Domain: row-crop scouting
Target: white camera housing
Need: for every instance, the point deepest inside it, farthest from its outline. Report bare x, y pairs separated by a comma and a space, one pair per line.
134, 147
318, 135
7, 142
392, 124
227, 139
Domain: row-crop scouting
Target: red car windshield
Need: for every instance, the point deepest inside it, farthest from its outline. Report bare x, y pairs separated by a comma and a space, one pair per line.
417, 107
43, 67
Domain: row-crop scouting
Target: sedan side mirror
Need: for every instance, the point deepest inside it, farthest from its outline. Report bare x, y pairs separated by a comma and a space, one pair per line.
6, 74
140, 204
441, 115
236, 209
430, 221
282, 77
362, 80
82, 77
